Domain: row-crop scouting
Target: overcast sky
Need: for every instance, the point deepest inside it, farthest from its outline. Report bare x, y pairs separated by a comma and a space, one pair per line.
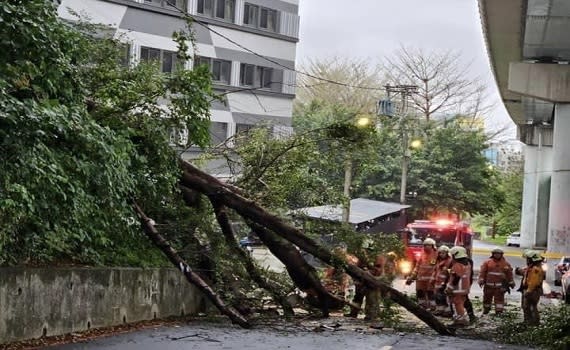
375, 28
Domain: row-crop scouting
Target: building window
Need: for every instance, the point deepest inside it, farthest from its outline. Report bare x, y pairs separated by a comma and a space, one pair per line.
165, 59
247, 73
219, 9
260, 17
172, 4
220, 69
243, 128
218, 133
258, 76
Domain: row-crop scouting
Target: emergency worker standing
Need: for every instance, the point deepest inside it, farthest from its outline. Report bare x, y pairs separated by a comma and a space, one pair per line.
495, 277
459, 284
336, 281
374, 295
532, 287
441, 277
423, 273
364, 261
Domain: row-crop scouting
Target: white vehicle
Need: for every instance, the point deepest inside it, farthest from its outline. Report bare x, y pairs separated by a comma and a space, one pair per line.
514, 239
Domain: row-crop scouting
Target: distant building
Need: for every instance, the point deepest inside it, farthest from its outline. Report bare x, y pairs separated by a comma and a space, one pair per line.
249, 46
505, 156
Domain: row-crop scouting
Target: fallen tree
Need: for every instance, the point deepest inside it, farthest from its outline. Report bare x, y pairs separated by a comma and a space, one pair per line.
213, 188
191, 276
254, 271
231, 197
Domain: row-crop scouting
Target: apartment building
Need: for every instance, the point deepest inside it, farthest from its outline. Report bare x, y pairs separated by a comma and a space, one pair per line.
249, 45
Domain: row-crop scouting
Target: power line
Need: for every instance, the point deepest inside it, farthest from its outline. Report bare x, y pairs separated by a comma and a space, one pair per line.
205, 25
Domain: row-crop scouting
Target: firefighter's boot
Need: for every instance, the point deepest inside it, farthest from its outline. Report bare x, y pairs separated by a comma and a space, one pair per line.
460, 321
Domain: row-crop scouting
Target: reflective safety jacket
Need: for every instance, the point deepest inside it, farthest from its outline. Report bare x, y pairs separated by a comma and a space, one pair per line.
441, 272
532, 279
423, 271
460, 278
494, 273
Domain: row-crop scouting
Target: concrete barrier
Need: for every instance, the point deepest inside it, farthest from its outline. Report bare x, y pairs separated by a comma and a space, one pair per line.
52, 301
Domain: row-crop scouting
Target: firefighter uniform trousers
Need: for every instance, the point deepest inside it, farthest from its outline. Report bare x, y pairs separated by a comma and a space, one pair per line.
493, 275
441, 276
532, 290
458, 288
384, 270
424, 282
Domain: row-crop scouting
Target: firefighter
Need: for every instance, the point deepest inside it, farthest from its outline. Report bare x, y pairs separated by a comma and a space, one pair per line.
422, 274
532, 287
360, 289
440, 277
390, 269
374, 295
335, 280
496, 278
459, 284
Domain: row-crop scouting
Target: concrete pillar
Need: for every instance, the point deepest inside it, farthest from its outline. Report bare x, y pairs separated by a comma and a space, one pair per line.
543, 177
559, 219
528, 212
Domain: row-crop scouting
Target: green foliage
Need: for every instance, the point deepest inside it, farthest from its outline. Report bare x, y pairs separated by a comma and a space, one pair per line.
552, 333
450, 174
508, 217
83, 136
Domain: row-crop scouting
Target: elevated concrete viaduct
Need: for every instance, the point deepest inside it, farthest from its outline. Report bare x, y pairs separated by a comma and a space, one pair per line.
528, 43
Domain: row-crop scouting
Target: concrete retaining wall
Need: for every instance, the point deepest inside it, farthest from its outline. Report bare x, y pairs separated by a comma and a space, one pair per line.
50, 301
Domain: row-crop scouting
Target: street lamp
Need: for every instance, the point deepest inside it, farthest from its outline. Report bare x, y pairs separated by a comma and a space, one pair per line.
415, 144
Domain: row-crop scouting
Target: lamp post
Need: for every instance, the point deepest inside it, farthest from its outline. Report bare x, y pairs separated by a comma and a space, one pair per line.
387, 108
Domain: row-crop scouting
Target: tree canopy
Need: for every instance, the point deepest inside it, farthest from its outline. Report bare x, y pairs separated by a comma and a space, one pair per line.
82, 135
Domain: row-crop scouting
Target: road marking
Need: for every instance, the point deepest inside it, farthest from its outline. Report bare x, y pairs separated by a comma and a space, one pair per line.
548, 255
386, 347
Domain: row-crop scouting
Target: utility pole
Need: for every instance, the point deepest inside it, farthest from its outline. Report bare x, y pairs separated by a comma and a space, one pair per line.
347, 183
386, 107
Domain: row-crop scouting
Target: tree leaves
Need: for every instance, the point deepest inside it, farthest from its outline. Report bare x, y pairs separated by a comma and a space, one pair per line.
81, 134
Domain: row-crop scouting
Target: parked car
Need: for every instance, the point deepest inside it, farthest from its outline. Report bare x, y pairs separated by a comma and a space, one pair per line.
565, 281
250, 241
514, 239
560, 268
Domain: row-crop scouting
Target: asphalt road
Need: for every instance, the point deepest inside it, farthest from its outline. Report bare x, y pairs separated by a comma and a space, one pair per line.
227, 337
216, 337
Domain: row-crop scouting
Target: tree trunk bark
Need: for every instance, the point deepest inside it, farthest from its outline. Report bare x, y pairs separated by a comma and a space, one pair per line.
254, 271
190, 275
302, 273
200, 181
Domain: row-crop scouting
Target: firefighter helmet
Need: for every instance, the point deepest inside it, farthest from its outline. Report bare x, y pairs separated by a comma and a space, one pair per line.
392, 255
458, 252
533, 255
443, 248
429, 241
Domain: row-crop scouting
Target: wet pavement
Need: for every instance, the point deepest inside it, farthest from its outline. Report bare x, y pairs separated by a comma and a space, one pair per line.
220, 337
330, 334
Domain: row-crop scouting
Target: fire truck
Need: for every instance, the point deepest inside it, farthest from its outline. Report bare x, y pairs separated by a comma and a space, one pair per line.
443, 231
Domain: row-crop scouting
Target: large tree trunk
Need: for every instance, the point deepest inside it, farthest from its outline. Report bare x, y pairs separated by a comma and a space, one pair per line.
254, 271
200, 181
190, 275
303, 275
